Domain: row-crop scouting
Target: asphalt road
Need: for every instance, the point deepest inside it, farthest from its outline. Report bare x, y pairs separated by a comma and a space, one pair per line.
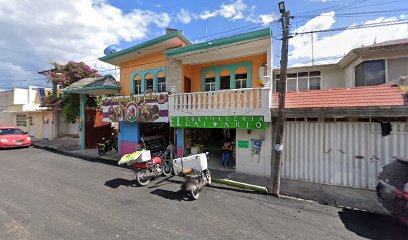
48, 196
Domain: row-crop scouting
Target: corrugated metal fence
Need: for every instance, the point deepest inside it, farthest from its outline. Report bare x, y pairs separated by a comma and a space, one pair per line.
348, 154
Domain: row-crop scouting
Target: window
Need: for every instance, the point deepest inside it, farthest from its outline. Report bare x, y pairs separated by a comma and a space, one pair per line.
225, 82
225, 79
11, 131
138, 84
370, 73
161, 82
241, 78
291, 82
149, 84
314, 81
21, 121
210, 81
210, 84
300, 81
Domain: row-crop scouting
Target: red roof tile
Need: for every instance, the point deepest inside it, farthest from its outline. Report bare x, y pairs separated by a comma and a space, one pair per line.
370, 96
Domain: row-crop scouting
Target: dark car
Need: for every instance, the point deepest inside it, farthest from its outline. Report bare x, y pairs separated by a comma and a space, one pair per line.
392, 188
11, 137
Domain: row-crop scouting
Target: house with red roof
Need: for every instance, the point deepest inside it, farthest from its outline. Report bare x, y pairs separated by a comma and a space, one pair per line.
345, 121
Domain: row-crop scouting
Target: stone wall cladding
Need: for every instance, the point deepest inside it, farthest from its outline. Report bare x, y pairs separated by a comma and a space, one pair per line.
174, 74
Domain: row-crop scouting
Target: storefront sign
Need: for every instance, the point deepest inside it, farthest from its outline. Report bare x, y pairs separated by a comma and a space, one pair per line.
247, 122
136, 108
243, 144
41, 95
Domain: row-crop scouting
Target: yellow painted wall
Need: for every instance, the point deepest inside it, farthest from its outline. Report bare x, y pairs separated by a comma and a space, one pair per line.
154, 60
194, 71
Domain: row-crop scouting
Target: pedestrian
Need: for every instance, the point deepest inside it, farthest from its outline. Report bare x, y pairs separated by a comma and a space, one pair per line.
171, 149
226, 153
140, 146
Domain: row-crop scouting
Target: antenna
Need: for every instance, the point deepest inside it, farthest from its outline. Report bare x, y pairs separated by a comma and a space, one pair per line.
110, 49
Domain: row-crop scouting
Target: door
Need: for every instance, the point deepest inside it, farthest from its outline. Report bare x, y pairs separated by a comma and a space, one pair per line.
46, 126
187, 85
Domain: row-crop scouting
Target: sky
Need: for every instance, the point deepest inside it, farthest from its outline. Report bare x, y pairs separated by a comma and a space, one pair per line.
34, 33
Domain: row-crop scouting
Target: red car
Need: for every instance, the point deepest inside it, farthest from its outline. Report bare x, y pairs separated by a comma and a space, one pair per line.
13, 137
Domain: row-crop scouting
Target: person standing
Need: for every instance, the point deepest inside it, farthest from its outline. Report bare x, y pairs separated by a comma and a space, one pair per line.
226, 154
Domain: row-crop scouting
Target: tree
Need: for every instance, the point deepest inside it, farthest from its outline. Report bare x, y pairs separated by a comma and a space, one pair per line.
65, 75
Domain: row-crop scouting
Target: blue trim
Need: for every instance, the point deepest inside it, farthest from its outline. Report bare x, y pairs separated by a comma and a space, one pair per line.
82, 102
142, 73
130, 132
231, 68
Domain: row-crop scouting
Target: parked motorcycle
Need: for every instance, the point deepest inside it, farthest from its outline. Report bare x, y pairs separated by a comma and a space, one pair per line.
107, 145
194, 169
145, 171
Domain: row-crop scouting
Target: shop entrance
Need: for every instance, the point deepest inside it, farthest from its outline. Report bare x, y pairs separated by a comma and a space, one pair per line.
156, 136
197, 140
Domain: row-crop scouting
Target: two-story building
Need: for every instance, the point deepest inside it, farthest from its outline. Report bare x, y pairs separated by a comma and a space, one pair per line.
346, 120
142, 109
218, 91
225, 97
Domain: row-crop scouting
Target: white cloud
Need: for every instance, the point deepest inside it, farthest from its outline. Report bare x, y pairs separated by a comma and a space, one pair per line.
184, 16
234, 10
323, 1
342, 42
266, 19
207, 14
34, 32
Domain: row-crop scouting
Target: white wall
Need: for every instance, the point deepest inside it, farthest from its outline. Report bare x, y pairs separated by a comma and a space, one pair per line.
252, 164
332, 78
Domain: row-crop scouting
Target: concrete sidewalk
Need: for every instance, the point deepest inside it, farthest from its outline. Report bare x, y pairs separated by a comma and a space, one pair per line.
325, 194
70, 147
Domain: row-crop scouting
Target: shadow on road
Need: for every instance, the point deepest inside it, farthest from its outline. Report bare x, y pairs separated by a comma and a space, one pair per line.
117, 182
178, 196
372, 225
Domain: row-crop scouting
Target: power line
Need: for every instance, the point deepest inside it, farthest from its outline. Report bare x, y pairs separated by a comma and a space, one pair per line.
370, 25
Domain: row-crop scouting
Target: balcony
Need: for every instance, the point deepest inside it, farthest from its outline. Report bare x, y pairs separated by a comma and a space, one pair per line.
236, 102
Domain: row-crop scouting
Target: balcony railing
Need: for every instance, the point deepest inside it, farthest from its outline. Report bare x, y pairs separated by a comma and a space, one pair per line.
247, 101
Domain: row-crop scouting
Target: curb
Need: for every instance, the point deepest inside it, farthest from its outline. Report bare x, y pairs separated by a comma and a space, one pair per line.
241, 185
106, 158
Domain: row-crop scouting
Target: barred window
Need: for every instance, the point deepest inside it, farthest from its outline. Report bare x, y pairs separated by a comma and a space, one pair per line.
21, 120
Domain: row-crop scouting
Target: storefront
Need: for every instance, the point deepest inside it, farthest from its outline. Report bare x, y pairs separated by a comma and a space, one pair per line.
248, 135
140, 117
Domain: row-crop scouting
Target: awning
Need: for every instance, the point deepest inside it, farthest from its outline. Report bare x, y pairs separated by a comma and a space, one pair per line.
95, 86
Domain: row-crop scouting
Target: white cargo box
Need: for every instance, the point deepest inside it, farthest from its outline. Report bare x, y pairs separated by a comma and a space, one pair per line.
196, 161
145, 156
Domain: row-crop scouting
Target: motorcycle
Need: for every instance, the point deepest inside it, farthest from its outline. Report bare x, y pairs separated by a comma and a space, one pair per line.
107, 145
145, 171
194, 169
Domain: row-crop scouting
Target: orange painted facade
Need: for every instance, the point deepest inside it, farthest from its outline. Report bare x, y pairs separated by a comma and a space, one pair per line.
154, 60
194, 71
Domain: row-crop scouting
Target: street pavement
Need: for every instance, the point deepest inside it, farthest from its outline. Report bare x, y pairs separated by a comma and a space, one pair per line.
45, 195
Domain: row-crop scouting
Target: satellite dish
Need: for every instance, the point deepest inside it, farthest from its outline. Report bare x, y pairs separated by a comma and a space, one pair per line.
110, 49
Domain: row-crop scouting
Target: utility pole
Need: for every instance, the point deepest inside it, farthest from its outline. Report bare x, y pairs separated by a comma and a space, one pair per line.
278, 122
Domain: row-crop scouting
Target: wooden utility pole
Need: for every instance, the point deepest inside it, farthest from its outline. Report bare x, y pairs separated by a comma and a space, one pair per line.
279, 121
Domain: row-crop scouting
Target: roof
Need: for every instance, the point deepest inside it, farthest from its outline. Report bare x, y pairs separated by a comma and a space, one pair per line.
96, 86
368, 96
6, 127
263, 33
175, 34
397, 45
